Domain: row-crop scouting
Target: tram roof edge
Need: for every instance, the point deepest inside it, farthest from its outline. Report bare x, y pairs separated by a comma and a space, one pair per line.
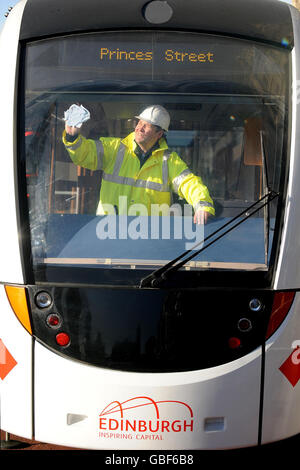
264, 20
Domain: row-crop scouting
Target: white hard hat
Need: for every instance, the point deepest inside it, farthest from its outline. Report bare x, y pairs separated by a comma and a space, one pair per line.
156, 115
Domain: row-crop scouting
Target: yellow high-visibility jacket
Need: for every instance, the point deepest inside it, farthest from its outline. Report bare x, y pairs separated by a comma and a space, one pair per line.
151, 184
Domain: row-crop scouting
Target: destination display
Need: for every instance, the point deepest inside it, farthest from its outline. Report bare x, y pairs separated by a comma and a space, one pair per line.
148, 57
170, 55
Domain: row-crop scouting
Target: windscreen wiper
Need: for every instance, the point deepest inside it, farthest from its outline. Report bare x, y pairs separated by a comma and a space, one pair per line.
161, 274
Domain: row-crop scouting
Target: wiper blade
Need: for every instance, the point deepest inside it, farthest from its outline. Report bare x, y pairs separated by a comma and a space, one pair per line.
161, 274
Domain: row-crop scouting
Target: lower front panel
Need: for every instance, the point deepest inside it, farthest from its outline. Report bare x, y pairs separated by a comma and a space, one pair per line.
88, 407
15, 373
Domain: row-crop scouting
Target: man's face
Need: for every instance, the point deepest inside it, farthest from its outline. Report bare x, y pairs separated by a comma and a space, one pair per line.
146, 135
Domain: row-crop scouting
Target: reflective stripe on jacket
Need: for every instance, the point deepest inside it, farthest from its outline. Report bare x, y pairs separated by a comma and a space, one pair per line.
123, 177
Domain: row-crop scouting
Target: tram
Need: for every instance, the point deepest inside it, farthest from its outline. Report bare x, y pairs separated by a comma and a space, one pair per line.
125, 330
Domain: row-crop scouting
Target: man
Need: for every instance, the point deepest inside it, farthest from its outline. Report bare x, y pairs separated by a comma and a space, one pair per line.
139, 169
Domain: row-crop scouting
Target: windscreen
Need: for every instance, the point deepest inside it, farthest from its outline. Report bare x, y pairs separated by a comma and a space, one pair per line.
101, 196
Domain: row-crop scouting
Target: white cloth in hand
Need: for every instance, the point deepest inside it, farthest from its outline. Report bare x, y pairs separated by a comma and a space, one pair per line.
76, 115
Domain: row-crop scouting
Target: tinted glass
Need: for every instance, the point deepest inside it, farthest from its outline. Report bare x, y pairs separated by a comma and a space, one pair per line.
227, 100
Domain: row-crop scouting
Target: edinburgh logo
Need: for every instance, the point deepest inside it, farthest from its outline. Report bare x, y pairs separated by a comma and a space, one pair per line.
144, 418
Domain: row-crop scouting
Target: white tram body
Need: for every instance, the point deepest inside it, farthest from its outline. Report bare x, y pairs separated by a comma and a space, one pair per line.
105, 388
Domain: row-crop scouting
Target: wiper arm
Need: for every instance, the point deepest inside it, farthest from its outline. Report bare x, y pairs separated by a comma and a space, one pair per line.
161, 274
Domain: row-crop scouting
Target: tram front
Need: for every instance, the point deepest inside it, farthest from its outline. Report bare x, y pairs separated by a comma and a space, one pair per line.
149, 325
